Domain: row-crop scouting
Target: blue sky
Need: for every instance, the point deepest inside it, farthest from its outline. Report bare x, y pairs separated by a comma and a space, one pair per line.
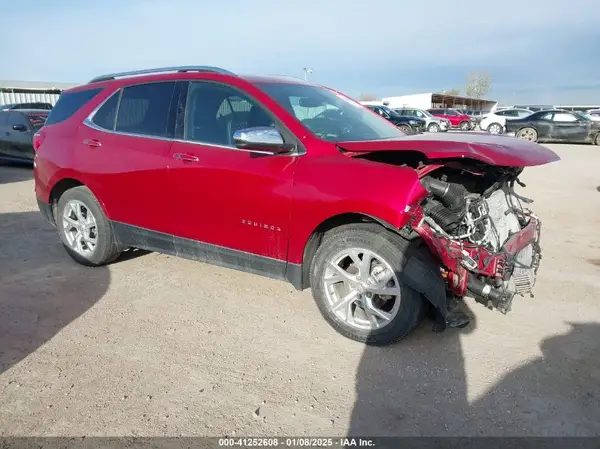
542, 51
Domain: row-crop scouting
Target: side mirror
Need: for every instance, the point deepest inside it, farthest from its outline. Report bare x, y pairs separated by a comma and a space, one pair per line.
261, 138
20, 128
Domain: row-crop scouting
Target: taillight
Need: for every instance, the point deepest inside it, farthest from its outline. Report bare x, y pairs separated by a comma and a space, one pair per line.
37, 140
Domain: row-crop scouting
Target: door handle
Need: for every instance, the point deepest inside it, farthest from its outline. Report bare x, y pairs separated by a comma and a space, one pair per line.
92, 143
185, 157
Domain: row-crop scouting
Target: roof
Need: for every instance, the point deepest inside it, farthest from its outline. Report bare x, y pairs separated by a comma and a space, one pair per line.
35, 85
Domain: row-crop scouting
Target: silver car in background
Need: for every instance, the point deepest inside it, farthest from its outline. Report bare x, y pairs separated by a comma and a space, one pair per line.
432, 124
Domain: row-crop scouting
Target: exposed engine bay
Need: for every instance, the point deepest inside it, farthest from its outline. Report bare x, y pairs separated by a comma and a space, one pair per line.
485, 236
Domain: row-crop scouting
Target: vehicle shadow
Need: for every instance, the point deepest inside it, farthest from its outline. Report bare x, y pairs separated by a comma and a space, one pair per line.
42, 289
418, 388
15, 172
413, 388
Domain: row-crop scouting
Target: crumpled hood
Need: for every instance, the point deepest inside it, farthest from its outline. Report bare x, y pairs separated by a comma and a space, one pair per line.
491, 149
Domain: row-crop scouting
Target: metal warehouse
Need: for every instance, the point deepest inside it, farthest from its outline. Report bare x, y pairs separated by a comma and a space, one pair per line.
31, 91
438, 100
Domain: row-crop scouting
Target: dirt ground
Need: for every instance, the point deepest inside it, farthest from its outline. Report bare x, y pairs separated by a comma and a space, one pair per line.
155, 345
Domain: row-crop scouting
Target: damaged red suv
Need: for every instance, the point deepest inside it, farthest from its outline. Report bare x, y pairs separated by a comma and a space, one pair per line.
294, 181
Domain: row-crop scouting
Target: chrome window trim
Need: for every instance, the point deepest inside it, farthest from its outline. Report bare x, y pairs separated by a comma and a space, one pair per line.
88, 121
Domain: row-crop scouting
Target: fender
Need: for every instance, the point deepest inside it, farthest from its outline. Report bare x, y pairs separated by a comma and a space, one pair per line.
329, 186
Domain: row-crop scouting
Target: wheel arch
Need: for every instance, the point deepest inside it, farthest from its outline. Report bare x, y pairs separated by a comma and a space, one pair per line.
64, 184
302, 278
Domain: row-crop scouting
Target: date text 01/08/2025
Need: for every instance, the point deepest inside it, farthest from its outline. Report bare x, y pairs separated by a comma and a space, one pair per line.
296, 442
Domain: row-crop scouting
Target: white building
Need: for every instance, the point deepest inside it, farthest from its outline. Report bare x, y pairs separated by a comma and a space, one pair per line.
437, 100
31, 91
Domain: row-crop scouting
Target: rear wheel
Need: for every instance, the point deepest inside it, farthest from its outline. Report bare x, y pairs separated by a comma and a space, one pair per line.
355, 279
495, 128
433, 128
465, 126
528, 134
405, 129
84, 230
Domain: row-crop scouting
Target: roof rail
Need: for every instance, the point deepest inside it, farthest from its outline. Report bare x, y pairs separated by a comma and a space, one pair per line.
191, 68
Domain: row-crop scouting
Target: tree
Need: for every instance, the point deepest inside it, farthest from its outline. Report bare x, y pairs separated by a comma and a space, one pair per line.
479, 84
451, 92
367, 97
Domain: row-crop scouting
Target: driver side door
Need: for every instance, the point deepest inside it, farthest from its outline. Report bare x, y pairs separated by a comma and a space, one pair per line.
229, 205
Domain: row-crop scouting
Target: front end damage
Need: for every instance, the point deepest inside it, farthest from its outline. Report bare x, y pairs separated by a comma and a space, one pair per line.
486, 240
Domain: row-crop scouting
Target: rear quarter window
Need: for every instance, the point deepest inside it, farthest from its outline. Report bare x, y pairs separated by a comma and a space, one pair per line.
69, 103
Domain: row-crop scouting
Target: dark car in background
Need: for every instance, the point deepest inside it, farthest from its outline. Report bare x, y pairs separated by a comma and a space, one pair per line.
17, 127
33, 105
555, 126
456, 118
408, 125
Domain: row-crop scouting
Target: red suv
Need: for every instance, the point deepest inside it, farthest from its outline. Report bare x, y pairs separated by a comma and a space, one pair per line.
456, 118
294, 181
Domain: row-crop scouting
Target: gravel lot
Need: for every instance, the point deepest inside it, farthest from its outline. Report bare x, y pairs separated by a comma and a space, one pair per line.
155, 345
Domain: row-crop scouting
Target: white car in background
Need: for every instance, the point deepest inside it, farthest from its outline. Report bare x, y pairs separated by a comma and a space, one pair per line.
432, 124
494, 122
593, 114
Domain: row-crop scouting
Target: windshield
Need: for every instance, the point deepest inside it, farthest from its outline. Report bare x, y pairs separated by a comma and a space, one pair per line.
329, 115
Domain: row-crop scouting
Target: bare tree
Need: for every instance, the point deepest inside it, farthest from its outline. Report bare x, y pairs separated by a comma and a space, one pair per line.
479, 84
367, 97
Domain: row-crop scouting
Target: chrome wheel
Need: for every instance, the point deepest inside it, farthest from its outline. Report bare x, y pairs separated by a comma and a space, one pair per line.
361, 289
527, 134
433, 128
465, 126
79, 228
494, 128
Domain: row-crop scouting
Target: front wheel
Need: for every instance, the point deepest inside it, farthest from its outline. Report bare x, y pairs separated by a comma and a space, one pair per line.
433, 128
84, 230
355, 279
495, 128
597, 139
528, 134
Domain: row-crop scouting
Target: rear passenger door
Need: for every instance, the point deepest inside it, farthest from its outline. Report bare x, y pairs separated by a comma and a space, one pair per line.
125, 146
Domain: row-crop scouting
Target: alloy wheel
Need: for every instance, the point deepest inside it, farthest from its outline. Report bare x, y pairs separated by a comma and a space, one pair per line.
527, 134
79, 228
362, 289
494, 128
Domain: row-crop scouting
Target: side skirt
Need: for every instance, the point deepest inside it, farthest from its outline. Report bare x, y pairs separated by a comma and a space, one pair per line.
136, 237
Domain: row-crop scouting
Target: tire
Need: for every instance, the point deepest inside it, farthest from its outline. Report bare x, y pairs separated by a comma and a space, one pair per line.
527, 134
433, 128
105, 249
406, 310
494, 128
464, 126
597, 139
405, 129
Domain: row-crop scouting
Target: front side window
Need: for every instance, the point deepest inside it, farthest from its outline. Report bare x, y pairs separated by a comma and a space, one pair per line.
144, 109
329, 115
215, 112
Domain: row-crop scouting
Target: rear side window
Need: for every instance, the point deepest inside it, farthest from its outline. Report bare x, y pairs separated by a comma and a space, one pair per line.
144, 109
69, 103
107, 114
